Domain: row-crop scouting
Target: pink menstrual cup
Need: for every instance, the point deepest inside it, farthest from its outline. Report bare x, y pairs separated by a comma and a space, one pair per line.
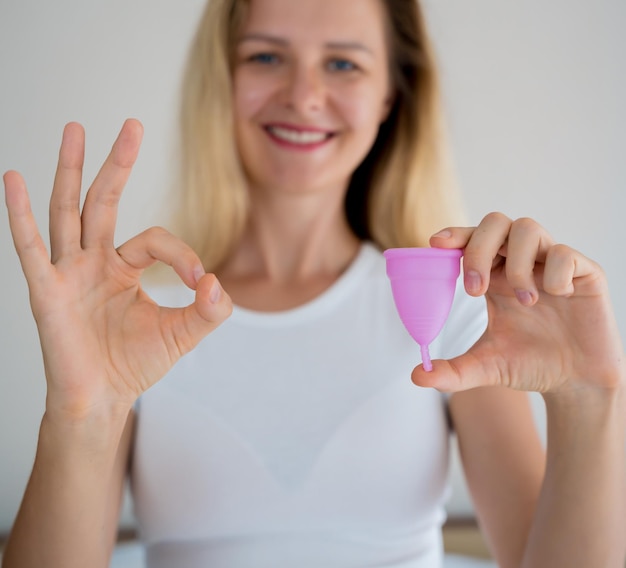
423, 281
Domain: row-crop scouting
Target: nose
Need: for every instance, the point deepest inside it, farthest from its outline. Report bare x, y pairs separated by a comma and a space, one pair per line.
304, 90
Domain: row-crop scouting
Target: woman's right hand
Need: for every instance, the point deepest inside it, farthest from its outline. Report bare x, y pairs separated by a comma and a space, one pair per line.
104, 341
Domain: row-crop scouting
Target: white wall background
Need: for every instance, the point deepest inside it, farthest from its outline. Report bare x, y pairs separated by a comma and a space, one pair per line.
534, 91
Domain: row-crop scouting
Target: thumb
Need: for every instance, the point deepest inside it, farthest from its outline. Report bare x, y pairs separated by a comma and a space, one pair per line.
465, 372
211, 307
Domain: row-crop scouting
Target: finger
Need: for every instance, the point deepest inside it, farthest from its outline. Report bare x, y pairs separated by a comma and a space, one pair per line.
566, 271
482, 250
465, 372
65, 199
100, 209
157, 244
188, 326
452, 237
527, 245
26, 237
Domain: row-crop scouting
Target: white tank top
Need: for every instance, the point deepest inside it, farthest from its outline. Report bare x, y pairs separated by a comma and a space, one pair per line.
297, 438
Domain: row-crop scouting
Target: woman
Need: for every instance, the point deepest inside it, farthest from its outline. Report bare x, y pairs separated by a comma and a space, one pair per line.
288, 436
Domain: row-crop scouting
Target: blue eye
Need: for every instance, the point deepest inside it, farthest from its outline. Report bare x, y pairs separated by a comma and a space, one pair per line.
264, 58
341, 65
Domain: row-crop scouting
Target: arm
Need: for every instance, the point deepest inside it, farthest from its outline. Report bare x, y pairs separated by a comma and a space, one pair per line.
104, 342
551, 329
580, 518
532, 520
72, 500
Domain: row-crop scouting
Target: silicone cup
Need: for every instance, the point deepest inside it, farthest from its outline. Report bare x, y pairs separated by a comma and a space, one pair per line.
423, 281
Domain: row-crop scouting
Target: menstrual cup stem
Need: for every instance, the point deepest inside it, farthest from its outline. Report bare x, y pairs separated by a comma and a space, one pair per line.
428, 366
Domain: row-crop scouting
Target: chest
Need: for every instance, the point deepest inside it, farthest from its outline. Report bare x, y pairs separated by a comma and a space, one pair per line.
278, 427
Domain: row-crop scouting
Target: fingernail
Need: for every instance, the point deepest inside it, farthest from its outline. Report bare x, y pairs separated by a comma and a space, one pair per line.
216, 293
445, 234
473, 281
198, 272
524, 297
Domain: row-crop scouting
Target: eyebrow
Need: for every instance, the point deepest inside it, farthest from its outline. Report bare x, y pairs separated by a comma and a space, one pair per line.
350, 45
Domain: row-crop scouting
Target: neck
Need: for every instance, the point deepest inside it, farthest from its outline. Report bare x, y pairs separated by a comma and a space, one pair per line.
294, 238
293, 249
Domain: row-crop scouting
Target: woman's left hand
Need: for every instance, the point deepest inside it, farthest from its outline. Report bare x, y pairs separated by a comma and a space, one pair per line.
551, 325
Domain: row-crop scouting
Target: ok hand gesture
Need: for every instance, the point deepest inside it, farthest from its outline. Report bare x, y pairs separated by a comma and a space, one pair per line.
104, 340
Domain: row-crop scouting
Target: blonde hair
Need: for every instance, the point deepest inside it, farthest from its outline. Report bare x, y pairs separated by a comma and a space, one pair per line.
400, 194
404, 190
212, 203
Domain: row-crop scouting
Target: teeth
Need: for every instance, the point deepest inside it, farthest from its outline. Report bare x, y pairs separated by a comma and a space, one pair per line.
297, 137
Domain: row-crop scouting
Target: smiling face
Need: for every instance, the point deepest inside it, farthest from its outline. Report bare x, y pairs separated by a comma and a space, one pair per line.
311, 87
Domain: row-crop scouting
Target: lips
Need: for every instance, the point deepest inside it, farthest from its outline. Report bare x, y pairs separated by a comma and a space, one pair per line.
295, 136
